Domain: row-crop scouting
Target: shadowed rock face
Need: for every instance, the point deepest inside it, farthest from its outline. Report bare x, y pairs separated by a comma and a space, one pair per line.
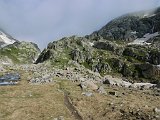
149, 71
45, 55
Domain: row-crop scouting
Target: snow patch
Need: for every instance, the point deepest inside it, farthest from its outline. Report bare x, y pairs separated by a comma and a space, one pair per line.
91, 44
6, 63
5, 39
148, 15
134, 32
152, 15
158, 67
145, 15
142, 41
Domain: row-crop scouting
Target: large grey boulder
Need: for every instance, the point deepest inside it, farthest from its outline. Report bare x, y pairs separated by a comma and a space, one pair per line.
88, 94
143, 85
116, 81
101, 90
88, 84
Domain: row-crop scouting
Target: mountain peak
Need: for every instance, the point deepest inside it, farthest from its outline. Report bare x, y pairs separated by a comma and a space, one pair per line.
140, 23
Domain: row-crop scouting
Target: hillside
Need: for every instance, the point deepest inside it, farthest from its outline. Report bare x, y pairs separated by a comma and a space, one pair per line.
112, 74
137, 59
20, 52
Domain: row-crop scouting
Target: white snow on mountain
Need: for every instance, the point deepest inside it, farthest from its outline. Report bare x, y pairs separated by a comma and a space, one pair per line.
148, 15
142, 41
5, 39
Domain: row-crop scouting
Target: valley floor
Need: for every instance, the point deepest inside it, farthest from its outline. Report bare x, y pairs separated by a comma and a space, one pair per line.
63, 100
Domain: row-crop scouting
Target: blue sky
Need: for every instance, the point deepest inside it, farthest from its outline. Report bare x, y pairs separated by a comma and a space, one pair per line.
43, 21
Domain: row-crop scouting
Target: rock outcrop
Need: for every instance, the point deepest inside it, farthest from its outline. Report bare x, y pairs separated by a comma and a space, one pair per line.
20, 52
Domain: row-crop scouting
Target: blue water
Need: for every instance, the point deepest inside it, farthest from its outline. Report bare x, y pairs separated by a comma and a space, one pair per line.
5, 79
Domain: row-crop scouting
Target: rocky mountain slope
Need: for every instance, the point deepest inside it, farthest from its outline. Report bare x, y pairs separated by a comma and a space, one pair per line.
113, 49
14, 51
131, 26
19, 52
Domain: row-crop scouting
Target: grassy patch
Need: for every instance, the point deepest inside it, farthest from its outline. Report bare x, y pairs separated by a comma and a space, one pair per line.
3, 92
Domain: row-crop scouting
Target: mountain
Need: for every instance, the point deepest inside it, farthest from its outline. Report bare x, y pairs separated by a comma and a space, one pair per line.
20, 52
131, 26
127, 46
14, 51
95, 77
6, 39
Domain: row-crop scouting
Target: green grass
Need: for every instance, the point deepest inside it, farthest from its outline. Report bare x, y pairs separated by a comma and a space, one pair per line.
18, 55
3, 92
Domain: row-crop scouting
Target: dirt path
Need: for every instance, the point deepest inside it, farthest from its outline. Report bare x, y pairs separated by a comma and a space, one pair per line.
71, 108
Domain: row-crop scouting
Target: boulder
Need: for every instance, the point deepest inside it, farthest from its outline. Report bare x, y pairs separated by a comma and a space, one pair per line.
156, 110
143, 85
113, 93
88, 94
59, 118
2, 69
88, 84
116, 81
101, 90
